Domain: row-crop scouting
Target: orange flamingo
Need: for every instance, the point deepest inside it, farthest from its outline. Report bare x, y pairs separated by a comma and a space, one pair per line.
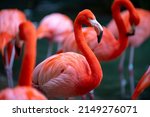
71, 74
110, 48
142, 33
55, 27
27, 32
10, 19
142, 84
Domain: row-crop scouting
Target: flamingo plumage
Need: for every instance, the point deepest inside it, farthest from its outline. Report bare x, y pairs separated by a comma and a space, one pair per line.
110, 48
141, 35
24, 91
10, 19
71, 74
143, 83
55, 27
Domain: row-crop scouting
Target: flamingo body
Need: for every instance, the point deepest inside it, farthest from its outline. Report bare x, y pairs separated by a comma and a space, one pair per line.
103, 50
63, 75
21, 93
55, 26
10, 19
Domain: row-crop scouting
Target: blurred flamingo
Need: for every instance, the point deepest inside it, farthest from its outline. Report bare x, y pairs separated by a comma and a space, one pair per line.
141, 35
110, 48
24, 90
142, 84
71, 74
55, 27
10, 19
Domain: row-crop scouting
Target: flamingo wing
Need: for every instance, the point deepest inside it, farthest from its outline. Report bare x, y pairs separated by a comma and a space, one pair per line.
62, 75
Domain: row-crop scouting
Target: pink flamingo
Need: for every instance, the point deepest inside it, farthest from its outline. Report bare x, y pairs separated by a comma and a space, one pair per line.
142, 84
110, 48
141, 35
71, 74
10, 19
23, 91
55, 27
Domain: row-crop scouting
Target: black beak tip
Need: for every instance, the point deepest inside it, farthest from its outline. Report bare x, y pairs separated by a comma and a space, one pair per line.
100, 36
18, 51
131, 33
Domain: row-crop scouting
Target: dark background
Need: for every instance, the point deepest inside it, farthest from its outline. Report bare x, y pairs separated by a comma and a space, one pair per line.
109, 88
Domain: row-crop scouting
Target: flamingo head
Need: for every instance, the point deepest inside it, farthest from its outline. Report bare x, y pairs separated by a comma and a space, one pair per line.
43, 31
26, 30
87, 18
134, 19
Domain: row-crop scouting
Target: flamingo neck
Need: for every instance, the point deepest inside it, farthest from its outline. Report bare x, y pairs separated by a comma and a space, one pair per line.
88, 54
28, 62
142, 84
123, 40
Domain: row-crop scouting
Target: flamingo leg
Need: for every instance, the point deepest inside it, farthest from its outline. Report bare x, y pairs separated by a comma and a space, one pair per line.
121, 75
131, 69
59, 46
83, 97
50, 48
91, 95
8, 67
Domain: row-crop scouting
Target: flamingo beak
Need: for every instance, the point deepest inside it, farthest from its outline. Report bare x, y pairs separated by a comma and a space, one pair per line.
98, 28
132, 30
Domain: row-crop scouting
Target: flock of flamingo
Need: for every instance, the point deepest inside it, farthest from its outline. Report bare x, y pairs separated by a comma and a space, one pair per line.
75, 69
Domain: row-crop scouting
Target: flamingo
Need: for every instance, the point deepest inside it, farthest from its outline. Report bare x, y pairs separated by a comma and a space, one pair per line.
141, 35
110, 48
23, 91
142, 84
71, 74
10, 19
55, 27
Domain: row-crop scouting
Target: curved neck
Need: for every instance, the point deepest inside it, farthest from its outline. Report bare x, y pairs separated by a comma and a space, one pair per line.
28, 62
123, 39
96, 71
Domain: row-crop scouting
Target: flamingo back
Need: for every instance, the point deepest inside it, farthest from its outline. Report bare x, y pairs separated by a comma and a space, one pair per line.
21, 93
10, 20
62, 75
106, 47
55, 26
90, 35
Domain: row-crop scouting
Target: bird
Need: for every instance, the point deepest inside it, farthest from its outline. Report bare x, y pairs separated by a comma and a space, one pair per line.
141, 35
110, 47
55, 27
143, 83
71, 74
10, 19
24, 89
